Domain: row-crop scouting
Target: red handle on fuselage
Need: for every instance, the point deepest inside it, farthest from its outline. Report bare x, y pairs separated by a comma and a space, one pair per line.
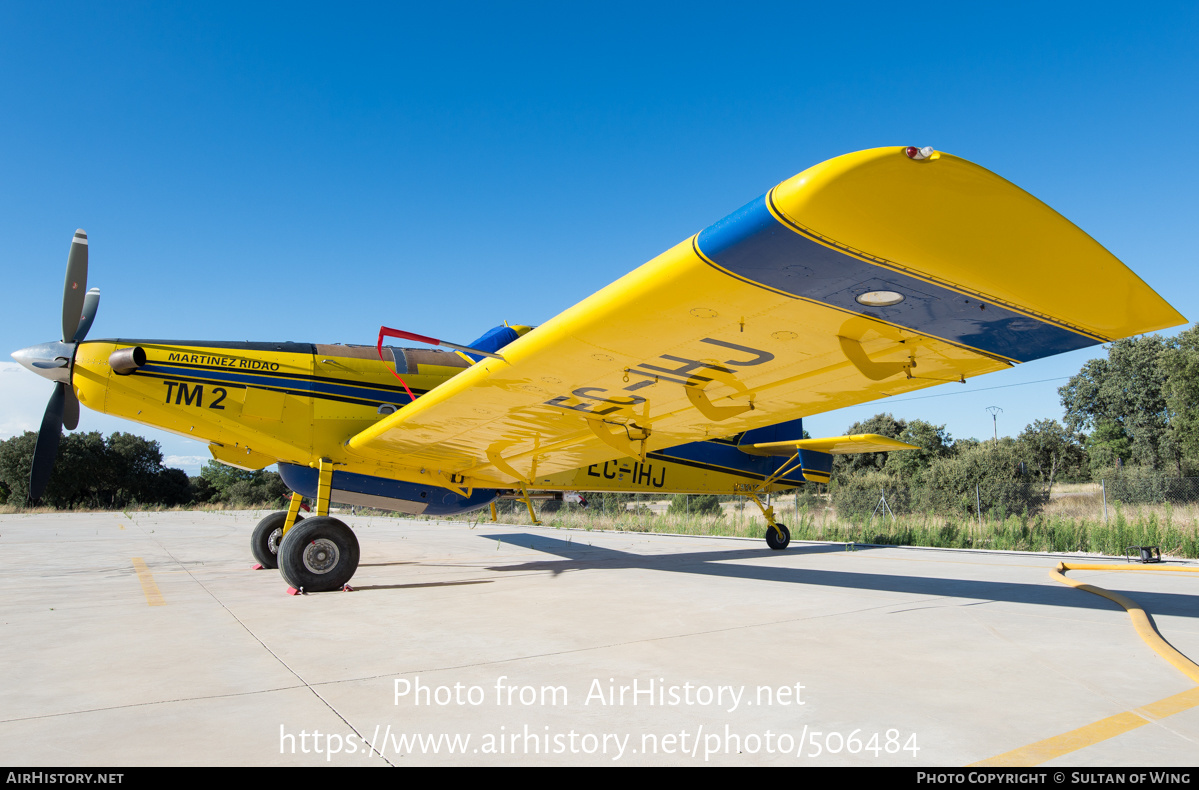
389, 332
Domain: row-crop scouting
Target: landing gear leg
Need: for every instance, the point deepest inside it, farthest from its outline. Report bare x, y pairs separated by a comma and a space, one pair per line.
293, 512
529, 504
320, 554
494, 516
777, 534
323, 486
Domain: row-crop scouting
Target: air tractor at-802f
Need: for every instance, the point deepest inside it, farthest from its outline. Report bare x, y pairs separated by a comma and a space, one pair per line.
872, 274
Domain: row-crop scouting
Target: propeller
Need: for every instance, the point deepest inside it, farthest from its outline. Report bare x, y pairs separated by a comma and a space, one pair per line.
55, 361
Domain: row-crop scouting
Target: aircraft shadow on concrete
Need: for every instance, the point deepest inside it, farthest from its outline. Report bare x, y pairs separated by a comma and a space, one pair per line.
419, 585
581, 556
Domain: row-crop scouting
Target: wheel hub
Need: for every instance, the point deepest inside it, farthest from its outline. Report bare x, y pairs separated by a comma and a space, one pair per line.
321, 555
272, 542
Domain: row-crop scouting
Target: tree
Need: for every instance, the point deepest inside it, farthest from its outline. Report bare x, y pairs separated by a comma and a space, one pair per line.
1182, 395
222, 477
1050, 451
1107, 446
1128, 389
201, 490
910, 465
92, 471
171, 487
84, 473
989, 474
845, 466
241, 487
135, 465
16, 459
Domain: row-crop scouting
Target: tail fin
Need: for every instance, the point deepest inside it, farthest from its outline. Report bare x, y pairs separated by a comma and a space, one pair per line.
495, 339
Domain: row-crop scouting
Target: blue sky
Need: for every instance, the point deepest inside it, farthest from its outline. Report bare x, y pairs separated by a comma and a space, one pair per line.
307, 172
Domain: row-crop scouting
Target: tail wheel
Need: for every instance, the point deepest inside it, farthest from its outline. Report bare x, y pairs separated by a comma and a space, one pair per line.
318, 555
774, 541
264, 543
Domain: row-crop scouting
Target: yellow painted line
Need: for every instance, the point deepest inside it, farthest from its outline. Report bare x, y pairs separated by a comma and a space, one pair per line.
149, 588
1042, 751
1171, 705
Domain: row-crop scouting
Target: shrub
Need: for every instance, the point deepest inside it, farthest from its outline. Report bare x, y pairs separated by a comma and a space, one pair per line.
990, 473
695, 504
857, 497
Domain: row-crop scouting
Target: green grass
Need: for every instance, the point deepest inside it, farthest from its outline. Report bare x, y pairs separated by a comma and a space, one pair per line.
1175, 530
1040, 533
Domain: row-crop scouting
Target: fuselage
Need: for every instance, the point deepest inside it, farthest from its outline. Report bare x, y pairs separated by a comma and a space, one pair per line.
257, 404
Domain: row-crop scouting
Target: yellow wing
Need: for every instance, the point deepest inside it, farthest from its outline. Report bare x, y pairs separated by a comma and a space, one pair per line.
869, 275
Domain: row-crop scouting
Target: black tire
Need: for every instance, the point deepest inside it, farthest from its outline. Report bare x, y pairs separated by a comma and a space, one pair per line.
319, 555
264, 543
772, 537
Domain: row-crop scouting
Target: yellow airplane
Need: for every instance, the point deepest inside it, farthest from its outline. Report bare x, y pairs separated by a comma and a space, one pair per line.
869, 275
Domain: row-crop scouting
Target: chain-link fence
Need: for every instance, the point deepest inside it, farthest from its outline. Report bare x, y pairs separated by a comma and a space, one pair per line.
858, 501
1136, 487
1133, 509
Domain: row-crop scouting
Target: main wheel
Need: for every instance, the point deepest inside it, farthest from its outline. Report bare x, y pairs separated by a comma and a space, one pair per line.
264, 543
772, 537
319, 555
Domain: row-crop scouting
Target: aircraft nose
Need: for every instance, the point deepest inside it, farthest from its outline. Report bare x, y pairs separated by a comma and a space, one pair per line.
49, 360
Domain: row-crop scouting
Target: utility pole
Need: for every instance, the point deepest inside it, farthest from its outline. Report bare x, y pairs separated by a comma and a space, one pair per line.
995, 411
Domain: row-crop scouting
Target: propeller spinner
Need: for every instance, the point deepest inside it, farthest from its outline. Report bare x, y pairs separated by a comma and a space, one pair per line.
55, 361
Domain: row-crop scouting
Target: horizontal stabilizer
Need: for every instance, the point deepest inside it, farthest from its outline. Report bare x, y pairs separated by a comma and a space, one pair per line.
834, 445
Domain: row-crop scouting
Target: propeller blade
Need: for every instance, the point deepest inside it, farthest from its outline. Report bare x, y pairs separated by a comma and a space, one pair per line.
75, 286
91, 302
70, 410
47, 443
